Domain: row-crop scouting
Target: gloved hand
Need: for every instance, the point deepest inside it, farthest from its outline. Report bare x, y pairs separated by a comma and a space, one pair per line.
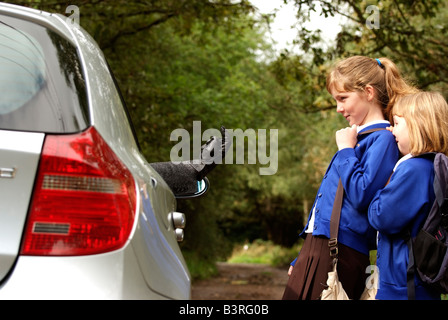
182, 178
209, 159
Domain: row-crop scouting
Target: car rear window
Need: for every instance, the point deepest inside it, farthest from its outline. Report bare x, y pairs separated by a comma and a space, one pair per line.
41, 80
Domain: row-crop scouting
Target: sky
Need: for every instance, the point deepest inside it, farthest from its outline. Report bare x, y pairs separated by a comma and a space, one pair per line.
282, 31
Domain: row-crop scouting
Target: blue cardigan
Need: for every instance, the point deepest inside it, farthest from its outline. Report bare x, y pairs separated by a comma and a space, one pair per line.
405, 202
363, 170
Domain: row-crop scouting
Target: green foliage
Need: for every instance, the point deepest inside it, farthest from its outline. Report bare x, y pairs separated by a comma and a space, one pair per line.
411, 33
199, 267
207, 75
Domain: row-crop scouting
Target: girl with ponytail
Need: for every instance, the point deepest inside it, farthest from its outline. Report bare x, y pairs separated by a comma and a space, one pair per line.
365, 90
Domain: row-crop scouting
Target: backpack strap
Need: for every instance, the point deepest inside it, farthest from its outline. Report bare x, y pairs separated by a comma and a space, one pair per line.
438, 191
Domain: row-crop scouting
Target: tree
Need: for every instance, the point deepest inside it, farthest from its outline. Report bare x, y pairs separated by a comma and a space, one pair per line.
409, 32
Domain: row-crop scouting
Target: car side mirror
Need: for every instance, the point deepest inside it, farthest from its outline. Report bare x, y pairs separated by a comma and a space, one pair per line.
202, 187
187, 179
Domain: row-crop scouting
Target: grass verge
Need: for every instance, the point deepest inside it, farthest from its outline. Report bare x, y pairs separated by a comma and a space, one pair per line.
264, 252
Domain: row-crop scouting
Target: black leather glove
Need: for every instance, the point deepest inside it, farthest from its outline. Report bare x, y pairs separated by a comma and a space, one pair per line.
182, 178
209, 159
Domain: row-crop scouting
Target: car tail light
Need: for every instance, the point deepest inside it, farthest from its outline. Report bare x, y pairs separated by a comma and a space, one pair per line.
84, 199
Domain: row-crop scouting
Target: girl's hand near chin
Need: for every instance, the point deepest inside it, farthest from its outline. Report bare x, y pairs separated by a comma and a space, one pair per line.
347, 137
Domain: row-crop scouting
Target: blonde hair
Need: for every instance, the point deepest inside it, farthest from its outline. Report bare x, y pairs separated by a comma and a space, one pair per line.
355, 73
426, 115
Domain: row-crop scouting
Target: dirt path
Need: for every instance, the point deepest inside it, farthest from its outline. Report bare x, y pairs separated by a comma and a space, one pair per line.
242, 282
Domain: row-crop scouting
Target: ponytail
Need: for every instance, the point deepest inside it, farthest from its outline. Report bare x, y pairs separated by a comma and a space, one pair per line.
395, 85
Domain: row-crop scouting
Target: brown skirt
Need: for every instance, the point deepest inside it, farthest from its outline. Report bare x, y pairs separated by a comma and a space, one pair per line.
309, 276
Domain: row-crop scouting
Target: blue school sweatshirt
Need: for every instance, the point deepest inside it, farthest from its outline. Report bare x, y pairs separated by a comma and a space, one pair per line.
363, 171
402, 205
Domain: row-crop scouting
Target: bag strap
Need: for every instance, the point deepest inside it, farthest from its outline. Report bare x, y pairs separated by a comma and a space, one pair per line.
370, 131
336, 212
334, 222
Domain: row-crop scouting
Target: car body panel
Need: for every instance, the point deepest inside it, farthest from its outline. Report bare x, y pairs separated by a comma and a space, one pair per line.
19, 152
75, 278
150, 265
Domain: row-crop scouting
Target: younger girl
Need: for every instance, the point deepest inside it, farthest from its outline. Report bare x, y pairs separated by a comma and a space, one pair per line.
420, 126
365, 90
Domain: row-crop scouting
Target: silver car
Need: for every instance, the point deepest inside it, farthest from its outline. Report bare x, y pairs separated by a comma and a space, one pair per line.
83, 215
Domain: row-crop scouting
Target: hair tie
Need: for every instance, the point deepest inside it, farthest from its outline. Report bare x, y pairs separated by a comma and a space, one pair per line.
379, 63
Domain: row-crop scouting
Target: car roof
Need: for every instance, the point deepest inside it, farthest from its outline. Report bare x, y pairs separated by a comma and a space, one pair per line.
53, 21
